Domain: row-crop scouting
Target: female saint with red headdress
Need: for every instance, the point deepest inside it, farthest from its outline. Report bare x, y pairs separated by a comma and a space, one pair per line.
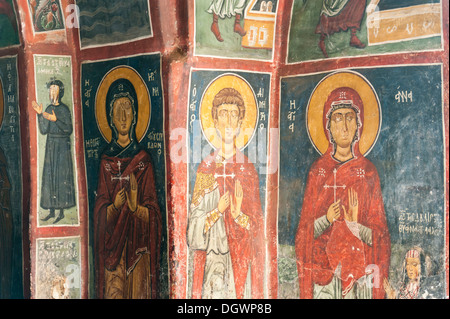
342, 242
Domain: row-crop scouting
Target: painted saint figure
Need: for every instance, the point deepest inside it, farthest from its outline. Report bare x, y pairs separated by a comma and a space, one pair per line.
127, 218
341, 15
57, 188
416, 280
6, 229
46, 15
227, 9
342, 235
225, 225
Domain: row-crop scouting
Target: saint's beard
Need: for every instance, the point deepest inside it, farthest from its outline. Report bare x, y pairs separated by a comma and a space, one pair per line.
54, 100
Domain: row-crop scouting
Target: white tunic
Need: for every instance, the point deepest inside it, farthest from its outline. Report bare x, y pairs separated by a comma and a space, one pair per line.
227, 8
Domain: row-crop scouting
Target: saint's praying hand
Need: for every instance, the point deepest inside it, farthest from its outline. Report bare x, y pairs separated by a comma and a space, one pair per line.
350, 216
234, 201
39, 110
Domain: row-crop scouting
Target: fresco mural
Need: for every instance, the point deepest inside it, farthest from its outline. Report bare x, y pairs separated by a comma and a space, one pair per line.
113, 21
57, 182
46, 15
9, 29
237, 29
10, 182
332, 29
58, 273
228, 114
350, 201
362, 204
123, 125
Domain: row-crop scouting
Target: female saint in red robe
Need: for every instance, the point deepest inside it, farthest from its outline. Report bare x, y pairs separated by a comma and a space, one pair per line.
342, 237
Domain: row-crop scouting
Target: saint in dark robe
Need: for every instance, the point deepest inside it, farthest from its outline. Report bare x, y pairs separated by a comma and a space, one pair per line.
127, 218
6, 229
57, 183
342, 242
341, 15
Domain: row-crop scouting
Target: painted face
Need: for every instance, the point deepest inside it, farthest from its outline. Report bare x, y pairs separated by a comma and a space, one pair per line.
122, 115
228, 122
343, 126
54, 94
412, 268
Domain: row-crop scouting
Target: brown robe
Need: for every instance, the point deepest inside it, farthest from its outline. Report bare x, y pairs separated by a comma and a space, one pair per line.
127, 244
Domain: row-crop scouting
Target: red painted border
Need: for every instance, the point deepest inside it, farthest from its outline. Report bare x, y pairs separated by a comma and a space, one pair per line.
175, 42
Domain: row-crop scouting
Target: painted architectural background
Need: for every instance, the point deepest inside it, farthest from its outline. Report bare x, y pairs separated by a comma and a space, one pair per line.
169, 58
57, 172
239, 29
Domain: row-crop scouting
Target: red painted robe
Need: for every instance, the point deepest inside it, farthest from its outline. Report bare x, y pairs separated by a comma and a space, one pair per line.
349, 17
126, 229
246, 246
317, 258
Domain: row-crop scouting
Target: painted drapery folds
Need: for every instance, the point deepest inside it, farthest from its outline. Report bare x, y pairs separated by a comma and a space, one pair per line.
57, 172
57, 176
225, 231
333, 29
358, 208
235, 28
124, 147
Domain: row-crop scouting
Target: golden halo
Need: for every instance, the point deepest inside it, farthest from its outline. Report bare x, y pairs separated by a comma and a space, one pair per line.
144, 106
251, 110
1, 103
372, 111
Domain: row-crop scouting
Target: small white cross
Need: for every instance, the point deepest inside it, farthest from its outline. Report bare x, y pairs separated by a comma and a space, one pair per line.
232, 175
322, 172
119, 176
334, 186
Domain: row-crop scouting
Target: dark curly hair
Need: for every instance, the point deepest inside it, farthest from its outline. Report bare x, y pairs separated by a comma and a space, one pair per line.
54, 81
